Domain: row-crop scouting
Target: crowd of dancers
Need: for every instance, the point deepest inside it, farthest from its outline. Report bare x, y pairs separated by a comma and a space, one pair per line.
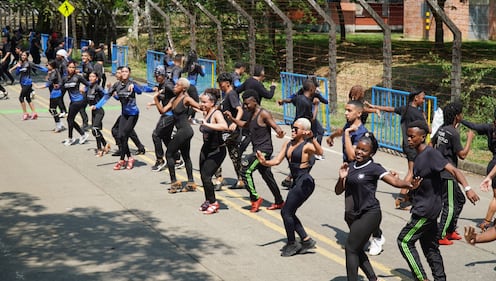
431, 188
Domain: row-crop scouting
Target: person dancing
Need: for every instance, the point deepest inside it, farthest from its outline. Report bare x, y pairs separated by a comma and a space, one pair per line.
213, 151
358, 179
182, 139
300, 152
94, 95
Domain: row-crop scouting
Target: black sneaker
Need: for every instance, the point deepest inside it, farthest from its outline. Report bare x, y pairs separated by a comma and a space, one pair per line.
159, 165
291, 249
140, 151
116, 153
287, 183
307, 245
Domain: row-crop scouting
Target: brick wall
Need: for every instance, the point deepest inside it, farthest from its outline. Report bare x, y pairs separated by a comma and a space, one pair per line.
456, 10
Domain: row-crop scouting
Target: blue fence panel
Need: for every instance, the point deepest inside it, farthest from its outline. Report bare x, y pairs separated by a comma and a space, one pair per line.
44, 43
84, 43
153, 59
290, 84
69, 43
207, 81
119, 56
387, 128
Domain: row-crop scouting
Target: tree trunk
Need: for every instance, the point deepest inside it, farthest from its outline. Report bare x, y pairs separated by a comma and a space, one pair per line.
135, 29
151, 41
74, 30
341, 21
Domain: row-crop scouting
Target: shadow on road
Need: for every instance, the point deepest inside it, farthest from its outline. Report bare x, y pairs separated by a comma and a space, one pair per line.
90, 244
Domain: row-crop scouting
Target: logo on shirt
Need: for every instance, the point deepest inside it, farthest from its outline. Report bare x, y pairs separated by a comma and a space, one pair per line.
361, 176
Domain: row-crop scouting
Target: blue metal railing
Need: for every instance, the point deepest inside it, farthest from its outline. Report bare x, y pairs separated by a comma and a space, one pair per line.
290, 84
83, 43
154, 58
387, 128
119, 56
208, 81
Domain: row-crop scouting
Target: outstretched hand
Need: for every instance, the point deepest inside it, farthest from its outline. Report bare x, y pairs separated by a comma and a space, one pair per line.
470, 234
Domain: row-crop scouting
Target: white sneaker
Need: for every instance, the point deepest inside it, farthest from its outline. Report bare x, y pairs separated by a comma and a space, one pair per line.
69, 142
376, 245
83, 138
319, 157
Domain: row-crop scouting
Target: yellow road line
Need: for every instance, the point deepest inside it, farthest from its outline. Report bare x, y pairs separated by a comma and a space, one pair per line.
277, 228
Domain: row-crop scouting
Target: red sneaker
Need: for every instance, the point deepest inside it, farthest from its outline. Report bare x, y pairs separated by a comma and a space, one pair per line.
445, 241
119, 165
255, 205
130, 163
454, 236
276, 206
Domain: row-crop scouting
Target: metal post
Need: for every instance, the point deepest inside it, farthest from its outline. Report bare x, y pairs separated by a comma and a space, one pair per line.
251, 34
167, 22
220, 47
386, 47
289, 35
333, 92
456, 69
192, 20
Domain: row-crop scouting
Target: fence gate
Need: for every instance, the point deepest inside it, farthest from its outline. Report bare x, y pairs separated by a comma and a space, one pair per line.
387, 128
119, 56
290, 84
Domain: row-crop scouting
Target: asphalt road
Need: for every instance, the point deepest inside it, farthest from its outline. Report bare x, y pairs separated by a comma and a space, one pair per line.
67, 215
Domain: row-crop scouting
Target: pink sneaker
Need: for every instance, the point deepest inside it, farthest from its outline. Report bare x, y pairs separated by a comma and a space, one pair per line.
34, 116
25, 116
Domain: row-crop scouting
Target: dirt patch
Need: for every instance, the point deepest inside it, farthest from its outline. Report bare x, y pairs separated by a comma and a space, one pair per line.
367, 74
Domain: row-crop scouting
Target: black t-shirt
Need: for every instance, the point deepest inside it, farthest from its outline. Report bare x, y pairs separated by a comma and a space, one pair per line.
408, 114
229, 103
303, 106
489, 130
447, 141
426, 199
254, 84
361, 185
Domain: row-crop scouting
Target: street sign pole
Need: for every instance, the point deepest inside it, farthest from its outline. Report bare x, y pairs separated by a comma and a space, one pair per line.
66, 10
66, 45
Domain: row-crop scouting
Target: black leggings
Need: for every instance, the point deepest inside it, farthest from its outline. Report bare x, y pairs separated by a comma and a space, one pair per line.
74, 108
360, 230
133, 136
25, 93
300, 192
54, 102
126, 127
232, 144
5, 71
210, 161
84, 116
162, 133
180, 142
96, 121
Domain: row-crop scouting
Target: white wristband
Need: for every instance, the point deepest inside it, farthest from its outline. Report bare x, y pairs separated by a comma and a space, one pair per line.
467, 188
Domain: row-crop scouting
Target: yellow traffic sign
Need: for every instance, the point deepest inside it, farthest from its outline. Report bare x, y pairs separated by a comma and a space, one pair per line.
66, 8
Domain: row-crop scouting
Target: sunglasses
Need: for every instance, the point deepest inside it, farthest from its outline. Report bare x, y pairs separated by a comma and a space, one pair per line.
294, 128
